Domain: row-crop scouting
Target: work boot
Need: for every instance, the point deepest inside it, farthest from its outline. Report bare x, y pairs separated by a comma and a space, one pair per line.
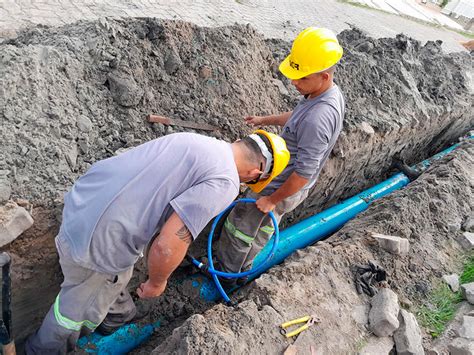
111, 323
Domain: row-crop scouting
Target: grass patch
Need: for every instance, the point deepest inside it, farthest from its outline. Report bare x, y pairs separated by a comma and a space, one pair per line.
441, 306
468, 271
439, 310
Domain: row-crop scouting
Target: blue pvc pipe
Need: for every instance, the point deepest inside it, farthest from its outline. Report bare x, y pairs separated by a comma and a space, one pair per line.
121, 342
298, 236
319, 226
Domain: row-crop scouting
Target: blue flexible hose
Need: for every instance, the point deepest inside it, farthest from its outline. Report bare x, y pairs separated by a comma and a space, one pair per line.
234, 275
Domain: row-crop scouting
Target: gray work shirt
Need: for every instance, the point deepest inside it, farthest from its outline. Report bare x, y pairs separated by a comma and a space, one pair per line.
310, 134
115, 209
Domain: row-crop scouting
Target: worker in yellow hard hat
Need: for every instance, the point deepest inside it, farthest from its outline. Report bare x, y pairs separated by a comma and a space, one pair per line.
310, 132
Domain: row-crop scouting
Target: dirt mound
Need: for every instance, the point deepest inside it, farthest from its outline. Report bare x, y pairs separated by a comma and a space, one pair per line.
318, 280
75, 94
72, 95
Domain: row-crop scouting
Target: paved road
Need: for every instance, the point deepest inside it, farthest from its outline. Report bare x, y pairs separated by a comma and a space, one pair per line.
274, 18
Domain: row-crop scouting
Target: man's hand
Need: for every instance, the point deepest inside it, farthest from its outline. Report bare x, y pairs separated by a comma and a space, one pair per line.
254, 120
149, 290
278, 120
265, 204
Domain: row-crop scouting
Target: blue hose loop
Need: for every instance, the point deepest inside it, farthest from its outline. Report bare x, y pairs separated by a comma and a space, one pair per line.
233, 275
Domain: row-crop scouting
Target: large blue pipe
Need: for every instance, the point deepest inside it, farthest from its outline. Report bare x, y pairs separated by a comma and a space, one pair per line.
296, 237
319, 226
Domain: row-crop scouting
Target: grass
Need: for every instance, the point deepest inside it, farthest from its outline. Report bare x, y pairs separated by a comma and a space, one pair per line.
441, 306
440, 310
468, 271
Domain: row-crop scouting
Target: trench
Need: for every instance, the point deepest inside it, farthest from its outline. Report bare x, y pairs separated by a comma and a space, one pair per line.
79, 93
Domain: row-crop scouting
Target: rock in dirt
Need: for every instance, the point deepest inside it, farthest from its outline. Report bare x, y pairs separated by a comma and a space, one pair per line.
452, 281
379, 346
467, 240
461, 346
467, 328
408, 340
468, 225
14, 220
468, 292
392, 244
383, 316
84, 124
124, 89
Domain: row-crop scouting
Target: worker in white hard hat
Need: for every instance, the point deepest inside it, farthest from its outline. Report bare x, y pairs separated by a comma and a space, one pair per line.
310, 131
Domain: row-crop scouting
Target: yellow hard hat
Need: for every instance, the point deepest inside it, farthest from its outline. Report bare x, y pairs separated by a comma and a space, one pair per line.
276, 155
314, 50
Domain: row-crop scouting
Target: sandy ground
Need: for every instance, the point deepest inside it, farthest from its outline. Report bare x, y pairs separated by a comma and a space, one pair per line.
76, 94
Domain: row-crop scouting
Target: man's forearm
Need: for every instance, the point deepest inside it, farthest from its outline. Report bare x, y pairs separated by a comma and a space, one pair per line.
291, 186
277, 120
168, 249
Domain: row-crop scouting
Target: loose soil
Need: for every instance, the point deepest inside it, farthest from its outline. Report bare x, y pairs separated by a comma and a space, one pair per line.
72, 95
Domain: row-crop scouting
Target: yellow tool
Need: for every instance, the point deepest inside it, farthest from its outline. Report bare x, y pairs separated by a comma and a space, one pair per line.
309, 320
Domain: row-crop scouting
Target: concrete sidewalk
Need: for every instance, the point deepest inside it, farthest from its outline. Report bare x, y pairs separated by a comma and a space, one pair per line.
280, 19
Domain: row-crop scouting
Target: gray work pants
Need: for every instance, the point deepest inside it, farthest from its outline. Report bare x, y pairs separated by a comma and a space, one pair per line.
86, 299
246, 231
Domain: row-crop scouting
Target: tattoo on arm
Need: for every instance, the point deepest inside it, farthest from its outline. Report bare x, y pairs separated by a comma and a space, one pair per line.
185, 235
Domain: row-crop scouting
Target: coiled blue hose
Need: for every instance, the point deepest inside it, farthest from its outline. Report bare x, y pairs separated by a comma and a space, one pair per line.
233, 275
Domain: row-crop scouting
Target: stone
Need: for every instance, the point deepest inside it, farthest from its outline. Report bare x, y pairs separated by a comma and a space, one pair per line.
383, 315
408, 339
124, 90
83, 123
461, 346
281, 87
468, 292
468, 224
467, 328
467, 240
392, 244
367, 128
365, 46
71, 153
5, 190
379, 346
172, 63
14, 220
452, 281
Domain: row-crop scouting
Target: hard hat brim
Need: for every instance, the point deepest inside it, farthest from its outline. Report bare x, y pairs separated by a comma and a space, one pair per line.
289, 72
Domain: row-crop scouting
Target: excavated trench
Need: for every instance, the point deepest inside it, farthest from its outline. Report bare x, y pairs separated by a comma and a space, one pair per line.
79, 93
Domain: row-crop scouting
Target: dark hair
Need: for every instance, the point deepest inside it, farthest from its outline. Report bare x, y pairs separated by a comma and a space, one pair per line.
252, 151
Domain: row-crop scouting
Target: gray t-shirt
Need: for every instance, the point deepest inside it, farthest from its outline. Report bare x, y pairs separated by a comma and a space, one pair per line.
310, 134
115, 209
